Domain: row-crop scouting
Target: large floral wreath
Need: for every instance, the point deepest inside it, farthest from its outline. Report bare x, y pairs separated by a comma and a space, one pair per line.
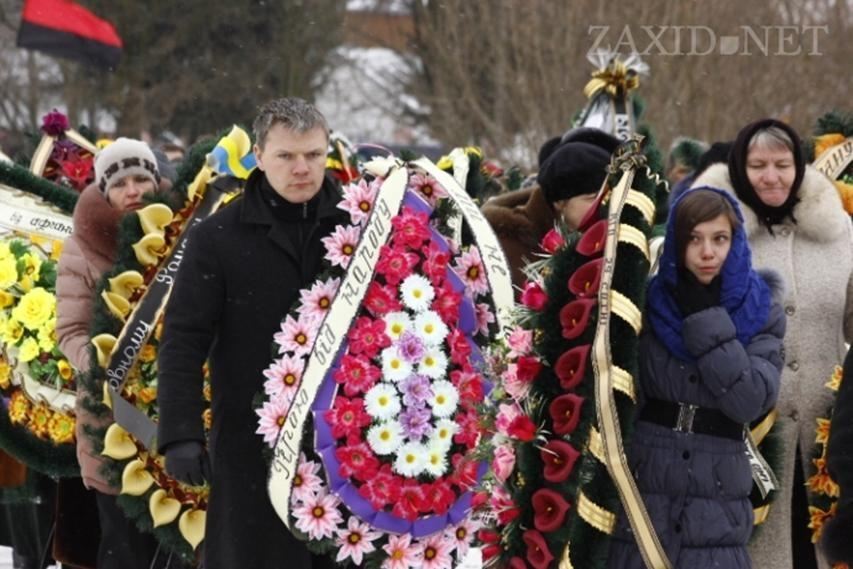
548, 497
387, 477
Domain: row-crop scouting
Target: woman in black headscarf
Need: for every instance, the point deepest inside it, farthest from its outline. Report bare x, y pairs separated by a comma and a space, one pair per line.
796, 226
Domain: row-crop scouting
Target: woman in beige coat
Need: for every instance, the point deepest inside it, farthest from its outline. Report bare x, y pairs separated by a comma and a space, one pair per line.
125, 171
796, 226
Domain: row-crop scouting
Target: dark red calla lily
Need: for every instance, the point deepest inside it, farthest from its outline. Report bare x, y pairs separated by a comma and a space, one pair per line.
538, 554
592, 214
549, 509
517, 563
571, 366
559, 458
566, 412
574, 317
592, 241
585, 281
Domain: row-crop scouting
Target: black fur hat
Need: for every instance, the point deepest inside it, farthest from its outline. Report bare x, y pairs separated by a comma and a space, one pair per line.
577, 166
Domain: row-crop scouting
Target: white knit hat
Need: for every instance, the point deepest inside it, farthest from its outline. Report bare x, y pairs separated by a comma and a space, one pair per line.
125, 157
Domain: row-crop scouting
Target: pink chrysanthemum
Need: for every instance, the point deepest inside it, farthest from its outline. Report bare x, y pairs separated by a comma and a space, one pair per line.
469, 267
283, 376
402, 553
318, 516
272, 416
307, 483
427, 186
462, 535
358, 200
355, 540
340, 245
315, 302
296, 336
436, 553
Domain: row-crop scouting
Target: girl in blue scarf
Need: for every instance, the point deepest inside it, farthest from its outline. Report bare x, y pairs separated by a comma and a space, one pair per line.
710, 362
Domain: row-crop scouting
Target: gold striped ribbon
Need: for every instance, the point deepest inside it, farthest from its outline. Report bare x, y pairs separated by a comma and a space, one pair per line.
642, 202
595, 515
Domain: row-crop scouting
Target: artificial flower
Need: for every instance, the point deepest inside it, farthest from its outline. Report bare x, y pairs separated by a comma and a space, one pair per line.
382, 489
359, 199
575, 316
501, 503
437, 552
395, 264
60, 428
417, 293
412, 501
538, 554
5, 373
283, 376
433, 364
520, 342
465, 472
430, 328
461, 535
533, 297
356, 375
552, 242
585, 281
29, 350
367, 337
469, 384
357, 461
296, 336
411, 348
565, 413
416, 423
40, 420
355, 541
507, 413
444, 399
341, 244
522, 428
386, 437
8, 272
54, 123
381, 300
307, 482
316, 301
559, 458
19, 407
443, 433
416, 389
484, 317
446, 304
593, 239
503, 462
347, 417
527, 368
469, 428
402, 553
382, 402
35, 308
514, 387
549, 510
46, 336
318, 516
435, 263
395, 367
409, 459
571, 366
470, 269
460, 347
272, 415
396, 323
411, 228
435, 463
428, 187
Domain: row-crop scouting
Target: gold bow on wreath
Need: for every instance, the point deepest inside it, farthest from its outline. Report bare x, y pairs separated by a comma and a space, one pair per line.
616, 79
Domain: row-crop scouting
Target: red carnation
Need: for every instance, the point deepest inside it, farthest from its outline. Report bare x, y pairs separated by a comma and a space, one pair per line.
410, 228
469, 384
565, 412
382, 488
356, 375
522, 428
446, 304
411, 502
559, 458
527, 368
585, 281
574, 317
368, 337
552, 242
435, 264
460, 349
380, 300
571, 366
464, 474
533, 297
347, 417
469, 428
538, 554
395, 264
439, 497
357, 461
549, 509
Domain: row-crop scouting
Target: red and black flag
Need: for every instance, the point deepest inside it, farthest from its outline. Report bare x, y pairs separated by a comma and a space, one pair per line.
63, 28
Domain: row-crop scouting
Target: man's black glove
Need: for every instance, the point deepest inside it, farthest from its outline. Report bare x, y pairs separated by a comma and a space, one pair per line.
188, 462
691, 296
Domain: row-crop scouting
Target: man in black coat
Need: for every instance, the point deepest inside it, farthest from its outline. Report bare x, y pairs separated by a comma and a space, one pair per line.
242, 271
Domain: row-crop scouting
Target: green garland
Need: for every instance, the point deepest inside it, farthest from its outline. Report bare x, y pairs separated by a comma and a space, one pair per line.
20, 178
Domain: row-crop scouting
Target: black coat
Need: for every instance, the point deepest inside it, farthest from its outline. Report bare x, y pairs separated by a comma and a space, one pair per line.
240, 275
839, 462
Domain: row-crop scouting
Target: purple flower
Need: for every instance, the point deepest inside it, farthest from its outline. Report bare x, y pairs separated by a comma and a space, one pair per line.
416, 390
415, 422
411, 347
54, 123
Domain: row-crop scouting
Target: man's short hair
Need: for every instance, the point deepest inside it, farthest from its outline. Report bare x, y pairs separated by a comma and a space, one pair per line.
294, 113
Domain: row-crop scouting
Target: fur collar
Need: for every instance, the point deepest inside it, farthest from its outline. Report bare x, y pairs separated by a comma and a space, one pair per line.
819, 214
96, 223
522, 214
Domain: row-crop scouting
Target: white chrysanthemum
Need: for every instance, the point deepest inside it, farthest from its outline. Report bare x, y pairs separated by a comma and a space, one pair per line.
394, 367
444, 399
385, 438
433, 364
430, 328
435, 463
417, 293
396, 323
410, 460
443, 433
382, 401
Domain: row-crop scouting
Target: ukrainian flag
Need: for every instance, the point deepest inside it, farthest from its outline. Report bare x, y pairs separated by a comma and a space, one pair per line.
233, 154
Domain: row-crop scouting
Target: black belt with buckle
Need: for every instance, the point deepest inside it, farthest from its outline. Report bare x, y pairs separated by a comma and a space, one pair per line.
688, 418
